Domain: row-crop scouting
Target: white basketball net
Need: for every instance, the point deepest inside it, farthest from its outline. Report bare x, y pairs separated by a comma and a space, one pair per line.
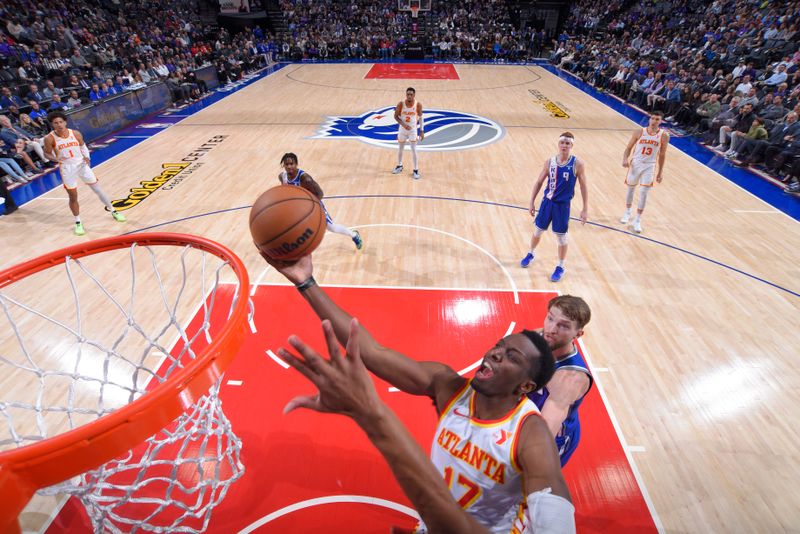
115, 322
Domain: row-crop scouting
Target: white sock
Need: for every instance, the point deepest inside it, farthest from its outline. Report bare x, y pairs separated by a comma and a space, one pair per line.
339, 229
561, 263
102, 196
77, 219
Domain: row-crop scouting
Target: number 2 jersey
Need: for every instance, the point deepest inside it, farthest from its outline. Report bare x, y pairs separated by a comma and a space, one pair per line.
478, 460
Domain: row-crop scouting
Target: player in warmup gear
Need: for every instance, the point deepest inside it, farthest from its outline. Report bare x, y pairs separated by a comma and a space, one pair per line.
67, 147
646, 163
561, 172
408, 115
560, 398
292, 175
491, 446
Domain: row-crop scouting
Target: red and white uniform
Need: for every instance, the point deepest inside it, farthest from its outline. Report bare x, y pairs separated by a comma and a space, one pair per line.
478, 460
409, 117
68, 151
642, 169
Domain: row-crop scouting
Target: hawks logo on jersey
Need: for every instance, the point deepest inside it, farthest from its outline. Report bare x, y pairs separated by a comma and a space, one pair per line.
444, 129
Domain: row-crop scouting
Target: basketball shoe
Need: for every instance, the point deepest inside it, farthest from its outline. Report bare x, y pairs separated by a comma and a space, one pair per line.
558, 273
526, 260
79, 229
357, 240
398, 169
118, 216
415, 175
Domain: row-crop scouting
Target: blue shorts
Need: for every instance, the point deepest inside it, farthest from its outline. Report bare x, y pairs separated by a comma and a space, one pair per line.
566, 445
553, 212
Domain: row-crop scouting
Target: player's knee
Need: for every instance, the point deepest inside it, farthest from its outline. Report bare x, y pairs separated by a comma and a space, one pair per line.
537, 232
561, 239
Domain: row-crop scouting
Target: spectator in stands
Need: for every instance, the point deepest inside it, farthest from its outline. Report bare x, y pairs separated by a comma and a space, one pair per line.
8, 99
96, 94
34, 93
780, 135
22, 142
78, 60
51, 90
57, 104
74, 100
10, 165
36, 111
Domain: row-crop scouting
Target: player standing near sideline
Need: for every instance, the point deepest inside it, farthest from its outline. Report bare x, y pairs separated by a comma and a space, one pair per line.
67, 147
292, 175
647, 162
408, 115
561, 172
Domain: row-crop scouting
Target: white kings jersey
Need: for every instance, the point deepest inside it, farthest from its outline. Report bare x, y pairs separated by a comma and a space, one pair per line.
478, 460
68, 149
409, 115
647, 148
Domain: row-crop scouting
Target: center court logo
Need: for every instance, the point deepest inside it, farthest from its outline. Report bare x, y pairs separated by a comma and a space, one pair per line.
444, 129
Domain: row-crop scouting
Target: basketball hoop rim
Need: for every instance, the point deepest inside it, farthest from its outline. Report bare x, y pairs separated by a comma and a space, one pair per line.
38, 465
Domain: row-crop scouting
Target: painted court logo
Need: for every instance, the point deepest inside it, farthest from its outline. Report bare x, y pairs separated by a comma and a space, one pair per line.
444, 129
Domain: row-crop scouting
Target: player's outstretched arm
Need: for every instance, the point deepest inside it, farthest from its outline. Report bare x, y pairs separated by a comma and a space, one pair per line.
550, 506
431, 379
346, 388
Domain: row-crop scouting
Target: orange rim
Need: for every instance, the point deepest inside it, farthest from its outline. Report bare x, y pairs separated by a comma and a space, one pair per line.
38, 465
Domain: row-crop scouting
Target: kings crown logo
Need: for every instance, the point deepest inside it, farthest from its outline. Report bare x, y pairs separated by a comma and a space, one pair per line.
444, 130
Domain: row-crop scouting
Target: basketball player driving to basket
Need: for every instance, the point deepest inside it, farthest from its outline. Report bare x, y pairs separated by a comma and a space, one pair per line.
493, 449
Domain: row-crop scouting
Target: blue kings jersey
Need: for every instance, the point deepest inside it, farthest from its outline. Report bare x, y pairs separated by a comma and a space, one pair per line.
296, 181
561, 180
570, 434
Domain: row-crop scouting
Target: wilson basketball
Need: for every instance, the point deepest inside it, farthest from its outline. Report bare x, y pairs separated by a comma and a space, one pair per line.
287, 222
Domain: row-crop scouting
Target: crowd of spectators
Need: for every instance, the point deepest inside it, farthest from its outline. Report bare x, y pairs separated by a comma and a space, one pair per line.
364, 29
56, 55
727, 71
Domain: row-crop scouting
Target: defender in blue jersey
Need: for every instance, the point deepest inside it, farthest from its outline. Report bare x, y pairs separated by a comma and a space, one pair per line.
560, 399
562, 171
292, 175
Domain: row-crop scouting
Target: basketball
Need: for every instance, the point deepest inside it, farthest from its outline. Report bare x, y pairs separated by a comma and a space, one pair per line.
287, 222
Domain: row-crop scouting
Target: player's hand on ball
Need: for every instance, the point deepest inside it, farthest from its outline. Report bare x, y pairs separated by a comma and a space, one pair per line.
296, 271
343, 383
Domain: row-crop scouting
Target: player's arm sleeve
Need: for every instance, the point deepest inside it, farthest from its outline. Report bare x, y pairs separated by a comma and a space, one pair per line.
550, 514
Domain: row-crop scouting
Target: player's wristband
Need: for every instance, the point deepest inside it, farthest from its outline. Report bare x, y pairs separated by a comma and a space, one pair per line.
305, 284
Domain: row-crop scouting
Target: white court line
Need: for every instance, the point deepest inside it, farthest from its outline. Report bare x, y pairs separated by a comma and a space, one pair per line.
310, 503
601, 369
422, 288
234, 382
637, 475
133, 137
636, 448
277, 360
756, 211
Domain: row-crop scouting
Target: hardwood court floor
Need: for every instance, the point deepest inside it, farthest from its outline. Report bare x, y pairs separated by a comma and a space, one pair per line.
699, 360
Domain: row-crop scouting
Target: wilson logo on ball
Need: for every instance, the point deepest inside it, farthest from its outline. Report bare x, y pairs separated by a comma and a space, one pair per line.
287, 248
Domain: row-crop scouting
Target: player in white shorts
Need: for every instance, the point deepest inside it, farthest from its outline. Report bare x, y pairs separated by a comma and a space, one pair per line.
67, 147
408, 115
646, 165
